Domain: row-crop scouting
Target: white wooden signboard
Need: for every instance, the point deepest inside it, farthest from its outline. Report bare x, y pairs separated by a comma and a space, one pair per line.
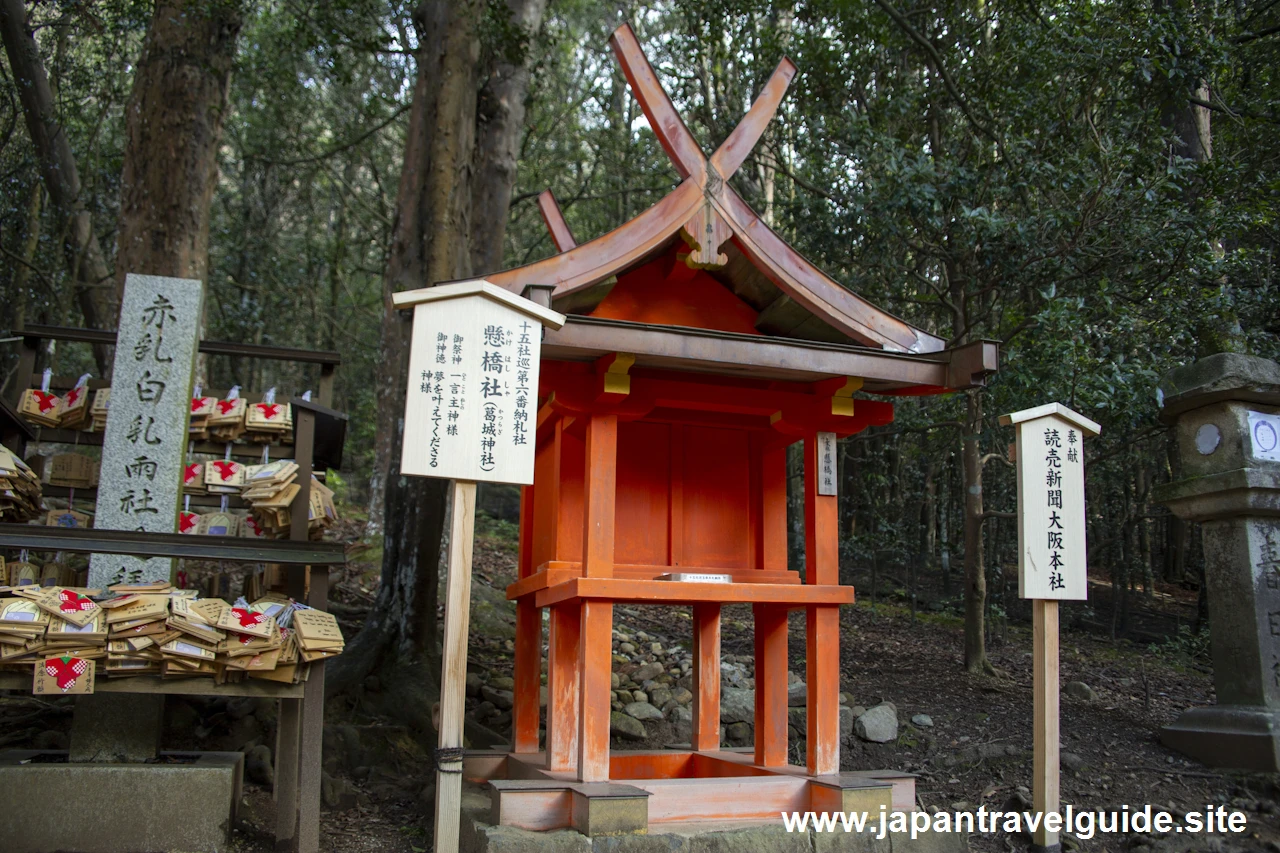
827, 464
1051, 530
472, 399
144, 445
1051, 567
470, 414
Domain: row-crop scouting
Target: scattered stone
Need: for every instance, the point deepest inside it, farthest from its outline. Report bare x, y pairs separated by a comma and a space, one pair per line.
337, 793
738, 734
639, 696
1073, 762
858, 711
501, 699
737, 705
878, 725
846, 722
258, 766
924, 721
239, 707
846, 699
642, 711
1080, 690
656, 648
660, 696
681, 719
503, 682
797, 695
627, 648
647, 672
983, 752
615, 680
484, 710
625, 696
961, 806
683, 696
474, 683
622, 725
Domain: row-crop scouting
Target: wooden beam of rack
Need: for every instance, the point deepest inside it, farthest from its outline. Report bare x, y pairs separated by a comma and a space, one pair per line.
193, 686
98, 336
143, 544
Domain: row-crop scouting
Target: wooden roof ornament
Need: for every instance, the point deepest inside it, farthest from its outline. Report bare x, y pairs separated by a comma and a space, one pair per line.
699, 278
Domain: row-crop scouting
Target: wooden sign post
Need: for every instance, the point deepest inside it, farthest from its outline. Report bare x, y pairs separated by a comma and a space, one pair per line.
470, 415
1051, 567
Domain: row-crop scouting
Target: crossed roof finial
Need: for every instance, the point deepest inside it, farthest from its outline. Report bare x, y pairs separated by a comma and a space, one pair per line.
708, 213
674, 135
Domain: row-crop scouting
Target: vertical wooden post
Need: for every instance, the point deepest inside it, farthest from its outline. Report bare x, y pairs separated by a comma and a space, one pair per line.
599, 494
324, 394
771, 684
298, 775
773, 512
311, 741
1045, 795
457, 616
822, 623
563, 687
528, 665
528, 657
706, 677
596, 642
595, 650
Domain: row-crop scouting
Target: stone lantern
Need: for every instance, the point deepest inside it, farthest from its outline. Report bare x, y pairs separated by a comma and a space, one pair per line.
1226, 410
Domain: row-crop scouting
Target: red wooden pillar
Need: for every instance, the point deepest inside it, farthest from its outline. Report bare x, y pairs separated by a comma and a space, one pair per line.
706, 677
822, 623
563, 687
528, 657
773, 510
595, 646
771, 684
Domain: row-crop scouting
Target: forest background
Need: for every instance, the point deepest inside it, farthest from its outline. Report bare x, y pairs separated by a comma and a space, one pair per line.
1093, 183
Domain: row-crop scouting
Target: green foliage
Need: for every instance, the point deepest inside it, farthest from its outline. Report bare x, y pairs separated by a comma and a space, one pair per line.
985, 170
1189, 647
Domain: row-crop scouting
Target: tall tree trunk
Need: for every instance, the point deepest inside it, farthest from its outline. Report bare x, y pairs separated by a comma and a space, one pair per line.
85, 262
173, 126
975, 572
500, 120
431, 243
929, 513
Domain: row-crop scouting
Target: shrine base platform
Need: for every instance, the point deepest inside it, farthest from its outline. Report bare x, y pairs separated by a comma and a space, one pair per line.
515, 804
188, 802
480, 835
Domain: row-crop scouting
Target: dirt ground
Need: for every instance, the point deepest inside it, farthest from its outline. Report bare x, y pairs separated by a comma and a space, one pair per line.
977, 752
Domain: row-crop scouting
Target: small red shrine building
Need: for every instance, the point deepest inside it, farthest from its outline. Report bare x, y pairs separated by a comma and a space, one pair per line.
699, 345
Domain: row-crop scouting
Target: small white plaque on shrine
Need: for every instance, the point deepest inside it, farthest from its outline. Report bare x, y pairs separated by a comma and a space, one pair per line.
1264, 436
828, 468
471, 404
1051, 527
144, 444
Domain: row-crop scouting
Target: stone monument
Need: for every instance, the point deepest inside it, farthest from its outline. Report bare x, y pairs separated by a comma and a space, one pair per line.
144, 445
1226, 411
